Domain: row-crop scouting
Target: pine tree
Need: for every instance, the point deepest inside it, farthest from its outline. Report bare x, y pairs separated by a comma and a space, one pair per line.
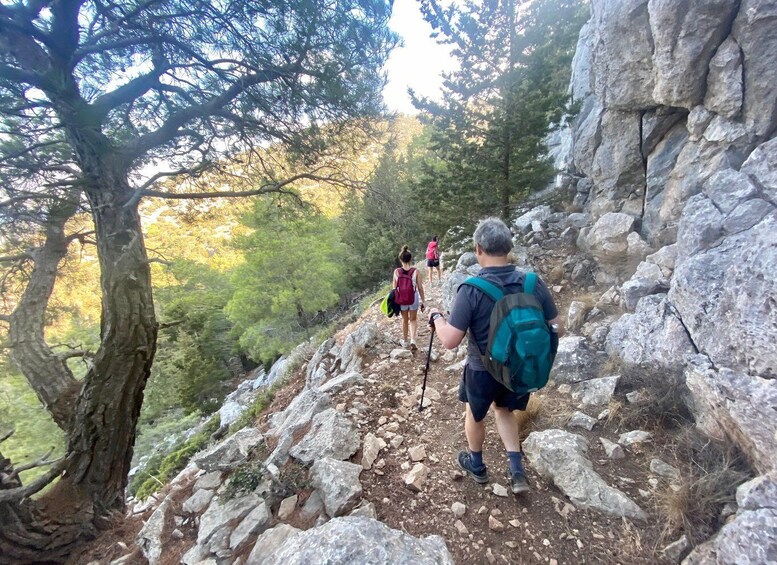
510, 88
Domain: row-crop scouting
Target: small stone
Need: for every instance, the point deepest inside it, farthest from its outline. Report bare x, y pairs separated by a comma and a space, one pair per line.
396, 441
515, 523
495, 524
634, 396
415, 479
382, 420
511, 544
663, 469
458, 509
612, 449
634, 437
177, 534
457, 475
496, 512
581, 420
482, 510
546, 542
604, 414
653, 482
553, 562
499, 490
397, 354
460, 527
405, 466
676, 550
380, 463
287, 507
490, 556
417, 453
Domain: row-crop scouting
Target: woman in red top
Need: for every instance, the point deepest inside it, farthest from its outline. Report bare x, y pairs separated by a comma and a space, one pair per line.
433, 259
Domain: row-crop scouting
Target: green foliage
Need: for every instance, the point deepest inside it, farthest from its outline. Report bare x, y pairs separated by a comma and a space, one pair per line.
244, 479
293, 270
195, 343
160, 469
36, 433
510, 89
387, 216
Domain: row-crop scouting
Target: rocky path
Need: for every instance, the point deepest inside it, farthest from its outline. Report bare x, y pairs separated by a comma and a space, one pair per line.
484, 524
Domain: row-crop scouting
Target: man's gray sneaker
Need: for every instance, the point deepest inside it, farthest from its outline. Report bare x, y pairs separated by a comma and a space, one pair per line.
465, 462
518, 483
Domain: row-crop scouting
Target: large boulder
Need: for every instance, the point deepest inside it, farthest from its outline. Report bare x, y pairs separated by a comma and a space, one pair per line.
268, 542
653, 335
608, 238
216, 524
338, 484
296, 416
575, 361
685, 36
648, 279
151, 537
231, 452
356, 539
735, 406
560, 456
331, 435
539, 214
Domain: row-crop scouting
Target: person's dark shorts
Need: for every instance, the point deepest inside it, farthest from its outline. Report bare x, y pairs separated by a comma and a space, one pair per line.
480, 389
432, 262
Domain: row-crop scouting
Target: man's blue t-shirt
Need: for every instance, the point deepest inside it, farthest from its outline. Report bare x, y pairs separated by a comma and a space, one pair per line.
471, 309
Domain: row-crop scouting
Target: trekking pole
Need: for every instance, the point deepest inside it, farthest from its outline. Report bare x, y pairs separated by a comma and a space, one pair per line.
426, 370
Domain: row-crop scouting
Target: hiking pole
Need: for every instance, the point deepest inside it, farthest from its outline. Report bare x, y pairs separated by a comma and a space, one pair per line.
426, 370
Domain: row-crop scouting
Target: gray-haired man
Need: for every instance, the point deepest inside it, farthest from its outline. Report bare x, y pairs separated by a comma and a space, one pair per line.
471, 312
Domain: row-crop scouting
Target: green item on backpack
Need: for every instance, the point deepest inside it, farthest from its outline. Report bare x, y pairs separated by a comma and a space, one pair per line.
384, 306
518, 353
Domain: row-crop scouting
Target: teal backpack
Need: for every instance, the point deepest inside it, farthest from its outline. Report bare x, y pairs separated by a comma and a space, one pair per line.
519, 353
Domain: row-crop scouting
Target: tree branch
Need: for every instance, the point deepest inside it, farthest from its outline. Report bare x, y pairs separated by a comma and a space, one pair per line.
169, 130
265, 189
126, 93
15, 494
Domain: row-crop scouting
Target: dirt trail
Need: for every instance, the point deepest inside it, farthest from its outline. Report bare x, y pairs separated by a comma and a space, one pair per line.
541, 527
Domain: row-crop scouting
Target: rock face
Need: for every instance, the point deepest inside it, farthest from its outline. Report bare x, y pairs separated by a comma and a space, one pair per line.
752, 536
560, 456
731, 404
354, 539
723, 275
654, 334
575, 361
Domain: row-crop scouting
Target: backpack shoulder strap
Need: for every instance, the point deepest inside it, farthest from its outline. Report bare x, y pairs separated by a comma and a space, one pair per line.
530, 282
491, 290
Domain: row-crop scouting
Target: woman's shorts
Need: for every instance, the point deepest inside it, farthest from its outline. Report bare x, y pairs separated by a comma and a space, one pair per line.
414, 305
432, 262
480, 389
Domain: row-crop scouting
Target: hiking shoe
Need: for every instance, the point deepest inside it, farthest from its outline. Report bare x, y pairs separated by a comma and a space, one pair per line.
518, 482
465, 462
413, 346
402, 343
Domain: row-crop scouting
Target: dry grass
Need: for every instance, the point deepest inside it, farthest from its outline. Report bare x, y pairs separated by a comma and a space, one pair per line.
613, 366
710, 472
662, 405
527, 418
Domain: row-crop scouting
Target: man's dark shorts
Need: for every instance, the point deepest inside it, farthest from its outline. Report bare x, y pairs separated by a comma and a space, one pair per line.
432, 262
480, 389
